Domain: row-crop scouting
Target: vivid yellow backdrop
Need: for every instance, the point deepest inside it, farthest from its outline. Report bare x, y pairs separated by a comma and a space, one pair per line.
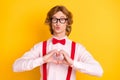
96, 25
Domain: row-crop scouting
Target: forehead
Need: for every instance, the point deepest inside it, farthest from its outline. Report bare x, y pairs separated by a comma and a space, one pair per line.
59, 14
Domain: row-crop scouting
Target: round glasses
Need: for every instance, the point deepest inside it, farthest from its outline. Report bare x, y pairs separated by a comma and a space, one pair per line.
61, 20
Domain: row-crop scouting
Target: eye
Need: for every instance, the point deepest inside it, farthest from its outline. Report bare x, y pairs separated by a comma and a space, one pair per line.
54, 19
62, 19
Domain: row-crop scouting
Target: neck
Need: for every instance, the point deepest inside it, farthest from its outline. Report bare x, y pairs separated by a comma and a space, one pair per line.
59, 35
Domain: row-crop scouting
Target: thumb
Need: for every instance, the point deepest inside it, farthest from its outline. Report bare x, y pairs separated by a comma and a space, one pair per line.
51, 53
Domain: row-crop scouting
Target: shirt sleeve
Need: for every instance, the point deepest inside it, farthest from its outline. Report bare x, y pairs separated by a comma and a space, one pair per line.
29, 60
86, 63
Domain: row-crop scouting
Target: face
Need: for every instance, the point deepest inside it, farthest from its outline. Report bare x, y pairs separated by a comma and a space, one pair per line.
59, 22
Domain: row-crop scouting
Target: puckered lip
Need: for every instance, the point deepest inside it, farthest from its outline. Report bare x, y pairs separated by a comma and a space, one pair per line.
57, 27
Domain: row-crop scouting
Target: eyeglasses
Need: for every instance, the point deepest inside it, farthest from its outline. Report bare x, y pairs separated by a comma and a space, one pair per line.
61, 20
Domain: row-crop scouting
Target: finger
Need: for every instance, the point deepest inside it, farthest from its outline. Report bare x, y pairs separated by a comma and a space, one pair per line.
51, 53
57, 54
65, 62
54, 61
60, 62
63, 52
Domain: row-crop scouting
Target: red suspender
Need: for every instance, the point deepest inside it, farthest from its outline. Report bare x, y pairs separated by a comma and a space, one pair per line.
72, 57
44, 65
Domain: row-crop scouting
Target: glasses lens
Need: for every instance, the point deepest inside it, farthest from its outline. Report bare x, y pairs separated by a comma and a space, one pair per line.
62, 20
54, 20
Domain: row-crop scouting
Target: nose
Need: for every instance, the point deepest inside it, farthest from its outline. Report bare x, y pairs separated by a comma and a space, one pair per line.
58, 22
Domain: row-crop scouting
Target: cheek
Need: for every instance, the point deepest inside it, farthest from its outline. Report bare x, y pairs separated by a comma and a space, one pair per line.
64, 26
53, 26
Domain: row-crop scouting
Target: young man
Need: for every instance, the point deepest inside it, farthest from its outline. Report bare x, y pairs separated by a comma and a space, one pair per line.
59, 57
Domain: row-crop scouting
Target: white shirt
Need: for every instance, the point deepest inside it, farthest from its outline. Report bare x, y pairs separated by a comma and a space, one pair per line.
83, 61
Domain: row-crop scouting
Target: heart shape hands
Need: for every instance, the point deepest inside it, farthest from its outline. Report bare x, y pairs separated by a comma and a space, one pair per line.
58, 57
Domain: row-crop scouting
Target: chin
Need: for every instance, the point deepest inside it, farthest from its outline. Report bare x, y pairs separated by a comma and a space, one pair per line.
58, 31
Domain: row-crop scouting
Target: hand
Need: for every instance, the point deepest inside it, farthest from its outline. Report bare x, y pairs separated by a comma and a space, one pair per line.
66, 60
49, 57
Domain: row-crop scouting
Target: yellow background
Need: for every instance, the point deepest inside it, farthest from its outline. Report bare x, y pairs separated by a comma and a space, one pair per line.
96, 25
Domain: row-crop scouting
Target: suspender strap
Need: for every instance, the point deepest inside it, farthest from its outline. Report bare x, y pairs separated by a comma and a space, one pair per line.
44, 65
72, 57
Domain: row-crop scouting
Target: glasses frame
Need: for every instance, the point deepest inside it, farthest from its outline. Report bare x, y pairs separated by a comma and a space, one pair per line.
59, 19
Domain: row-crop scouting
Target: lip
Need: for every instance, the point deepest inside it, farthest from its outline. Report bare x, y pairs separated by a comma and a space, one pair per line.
57, 28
